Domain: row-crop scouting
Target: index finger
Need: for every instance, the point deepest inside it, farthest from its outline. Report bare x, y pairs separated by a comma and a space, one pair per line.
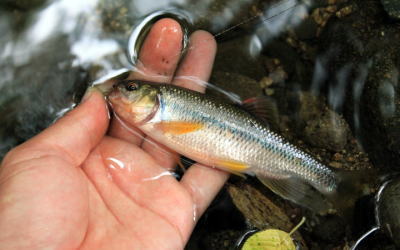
158, 59
198, 62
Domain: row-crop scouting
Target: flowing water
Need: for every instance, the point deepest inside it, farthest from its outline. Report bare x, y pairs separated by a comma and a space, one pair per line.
332, 67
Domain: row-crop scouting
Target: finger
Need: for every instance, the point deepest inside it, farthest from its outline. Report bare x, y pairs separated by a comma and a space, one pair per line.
140, 178
197, 64
202, 182
71, 138
158, 58
198, 61
164, 156
161, 52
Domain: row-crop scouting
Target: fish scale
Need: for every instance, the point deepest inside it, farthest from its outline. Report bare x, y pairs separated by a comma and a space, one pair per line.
232, 134
216, 133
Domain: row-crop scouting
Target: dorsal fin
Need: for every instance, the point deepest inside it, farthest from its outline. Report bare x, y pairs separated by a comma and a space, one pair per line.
263, 108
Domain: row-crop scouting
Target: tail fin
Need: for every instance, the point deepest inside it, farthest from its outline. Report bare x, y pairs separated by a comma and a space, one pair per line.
351, 185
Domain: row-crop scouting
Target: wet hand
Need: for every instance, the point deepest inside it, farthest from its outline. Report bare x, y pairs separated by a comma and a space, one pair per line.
89, 183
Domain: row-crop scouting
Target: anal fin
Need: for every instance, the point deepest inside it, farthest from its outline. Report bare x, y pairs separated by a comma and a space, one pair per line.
298, 191
234, 167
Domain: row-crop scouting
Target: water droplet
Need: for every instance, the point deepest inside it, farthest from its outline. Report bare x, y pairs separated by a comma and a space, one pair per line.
142, 28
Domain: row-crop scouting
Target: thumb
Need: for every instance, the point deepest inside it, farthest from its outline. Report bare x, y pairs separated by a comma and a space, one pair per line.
70, 138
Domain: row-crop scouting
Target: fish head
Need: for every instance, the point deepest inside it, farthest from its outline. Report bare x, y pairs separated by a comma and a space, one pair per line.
134, 101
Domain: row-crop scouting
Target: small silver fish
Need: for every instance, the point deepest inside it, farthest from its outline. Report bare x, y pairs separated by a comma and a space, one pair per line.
222, 135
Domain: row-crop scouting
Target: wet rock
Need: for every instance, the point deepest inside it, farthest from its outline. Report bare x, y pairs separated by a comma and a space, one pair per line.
392, 8
331, 230
22, 4
260, 211
276, 71
381, 107
307, 106
389, 210
224, 240
317, 124
117, 16
301, 116
242, 85
367, 58
216, 16
288, 56
234, 56
40, 91
329, 131
307, 29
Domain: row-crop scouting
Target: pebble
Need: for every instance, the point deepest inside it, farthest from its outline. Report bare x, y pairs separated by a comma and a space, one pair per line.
266, 82
335, 164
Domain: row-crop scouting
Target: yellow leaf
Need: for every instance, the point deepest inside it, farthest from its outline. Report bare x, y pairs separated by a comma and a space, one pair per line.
271, 239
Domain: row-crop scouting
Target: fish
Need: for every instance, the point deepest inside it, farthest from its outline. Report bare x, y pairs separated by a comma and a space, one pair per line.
220, 134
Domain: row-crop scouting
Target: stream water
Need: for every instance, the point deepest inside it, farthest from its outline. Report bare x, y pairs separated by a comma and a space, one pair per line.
332, 67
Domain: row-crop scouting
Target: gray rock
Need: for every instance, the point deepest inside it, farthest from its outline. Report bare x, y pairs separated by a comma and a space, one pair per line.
117, 17
315, 122
223, 240
381, 106
331, 230
40, 92
367, 47
330, 131
239, 84
234, 56
392, 8
22, 4
389, 210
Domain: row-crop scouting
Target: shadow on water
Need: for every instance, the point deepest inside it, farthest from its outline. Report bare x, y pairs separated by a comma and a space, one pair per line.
332, 67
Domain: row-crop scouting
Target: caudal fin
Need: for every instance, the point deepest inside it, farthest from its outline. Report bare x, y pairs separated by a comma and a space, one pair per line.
351, 185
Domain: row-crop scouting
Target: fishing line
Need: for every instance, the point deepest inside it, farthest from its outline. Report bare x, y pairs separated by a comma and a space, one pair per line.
136, 41
265, 19
141, 30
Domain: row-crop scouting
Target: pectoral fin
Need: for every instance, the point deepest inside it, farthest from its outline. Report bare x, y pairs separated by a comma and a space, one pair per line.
298, 191
179, 127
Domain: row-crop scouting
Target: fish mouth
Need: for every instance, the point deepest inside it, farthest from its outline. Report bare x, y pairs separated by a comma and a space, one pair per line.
118, 96
115, 96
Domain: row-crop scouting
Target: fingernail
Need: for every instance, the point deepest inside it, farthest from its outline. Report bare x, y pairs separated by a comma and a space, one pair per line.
89, 92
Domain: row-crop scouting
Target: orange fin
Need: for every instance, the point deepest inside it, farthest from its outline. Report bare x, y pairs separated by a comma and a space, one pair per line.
233, 167
179, 127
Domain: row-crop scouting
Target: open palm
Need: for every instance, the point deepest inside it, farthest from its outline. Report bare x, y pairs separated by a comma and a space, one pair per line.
89, 183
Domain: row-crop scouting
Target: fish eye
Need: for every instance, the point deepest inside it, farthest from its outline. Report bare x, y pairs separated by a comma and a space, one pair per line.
131, 86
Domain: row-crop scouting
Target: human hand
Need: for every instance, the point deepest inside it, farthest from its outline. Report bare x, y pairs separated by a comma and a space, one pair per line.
74, 186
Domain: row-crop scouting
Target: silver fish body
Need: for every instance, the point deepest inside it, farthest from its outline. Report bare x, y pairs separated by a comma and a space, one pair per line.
230, 134
222, 135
